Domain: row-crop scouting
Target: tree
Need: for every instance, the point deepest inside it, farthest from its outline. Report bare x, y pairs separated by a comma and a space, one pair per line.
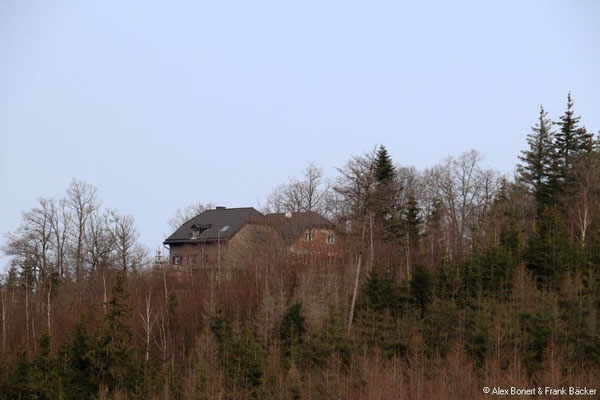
386, 193
310, 193
382, 303
80, 380
124, 237
548, 253
571, 141
384, 169
44, 378
465, 191
112, 353
31, 244
82, 200
421, 289
183, 215
291, 334
537, 168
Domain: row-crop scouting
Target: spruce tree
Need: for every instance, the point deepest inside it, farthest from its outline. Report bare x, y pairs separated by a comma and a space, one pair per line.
386, 208
384, 169
549, 254
80, 381
412, 218
421, 289
571, 141
379, 312
291, 333
44, 377
537, 168
113, 354
17, 383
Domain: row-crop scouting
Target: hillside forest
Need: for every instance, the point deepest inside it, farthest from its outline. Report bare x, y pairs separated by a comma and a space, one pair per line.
452, 278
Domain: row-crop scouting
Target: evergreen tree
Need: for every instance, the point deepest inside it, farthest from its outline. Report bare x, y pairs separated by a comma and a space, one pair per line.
291, 333
537, 168
549, 252
112, 354
80, 380
385, 196
241, 356
421, 289
44, 378
17, 381
384, 168
331, 340
412, 218
571, 141
378, 314
477, 334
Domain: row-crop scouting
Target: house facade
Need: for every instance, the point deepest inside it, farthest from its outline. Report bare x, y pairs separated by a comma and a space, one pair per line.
237, 237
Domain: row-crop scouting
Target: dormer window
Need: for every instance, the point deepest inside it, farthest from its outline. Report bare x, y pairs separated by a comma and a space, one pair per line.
198, 230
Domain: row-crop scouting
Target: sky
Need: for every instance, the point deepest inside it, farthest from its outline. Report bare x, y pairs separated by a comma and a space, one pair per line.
163, 104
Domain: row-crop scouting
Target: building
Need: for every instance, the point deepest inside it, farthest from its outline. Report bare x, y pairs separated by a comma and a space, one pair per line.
237, 237
309, 237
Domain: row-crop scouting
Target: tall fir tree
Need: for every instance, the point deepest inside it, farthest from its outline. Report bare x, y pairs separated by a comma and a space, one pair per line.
113, 354
291, 333
571, 141
536, 170
385, 196
412, 218
549, 253
384, 169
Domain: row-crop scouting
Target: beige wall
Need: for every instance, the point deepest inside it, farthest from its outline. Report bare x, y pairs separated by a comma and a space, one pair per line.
251, 244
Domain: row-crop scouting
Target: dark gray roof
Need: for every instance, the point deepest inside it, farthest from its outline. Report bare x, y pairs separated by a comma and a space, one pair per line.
218, 224
291, 225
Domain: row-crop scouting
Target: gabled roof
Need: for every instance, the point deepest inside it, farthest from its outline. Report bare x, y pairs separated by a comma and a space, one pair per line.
212, 225
291, 225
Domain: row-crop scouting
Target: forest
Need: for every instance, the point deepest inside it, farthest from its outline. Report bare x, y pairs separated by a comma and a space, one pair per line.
454, 278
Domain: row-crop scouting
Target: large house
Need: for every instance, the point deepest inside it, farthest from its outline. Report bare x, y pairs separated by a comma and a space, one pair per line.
233, 237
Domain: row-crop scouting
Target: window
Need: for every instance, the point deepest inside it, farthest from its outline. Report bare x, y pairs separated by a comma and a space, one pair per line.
330, 238
176, 260
223, 229
307, 236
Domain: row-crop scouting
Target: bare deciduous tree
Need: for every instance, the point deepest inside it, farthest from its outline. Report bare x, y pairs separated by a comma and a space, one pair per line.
124, 237
465, 189
584, 193
309, 193
187, 213
83, 201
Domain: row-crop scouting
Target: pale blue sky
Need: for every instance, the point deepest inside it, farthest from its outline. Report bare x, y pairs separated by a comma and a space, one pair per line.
161, 104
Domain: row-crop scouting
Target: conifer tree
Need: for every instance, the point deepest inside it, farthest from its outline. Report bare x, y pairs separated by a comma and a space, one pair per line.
80, 380
382, 303
291, 333
412, 218
549, 252
386, 210
420, 289
331, 340
571, 141
384, 169
44, 378
537, 168
112, 354
17, 383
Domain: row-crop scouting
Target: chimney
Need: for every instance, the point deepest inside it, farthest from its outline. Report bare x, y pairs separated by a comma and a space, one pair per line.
220, 208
